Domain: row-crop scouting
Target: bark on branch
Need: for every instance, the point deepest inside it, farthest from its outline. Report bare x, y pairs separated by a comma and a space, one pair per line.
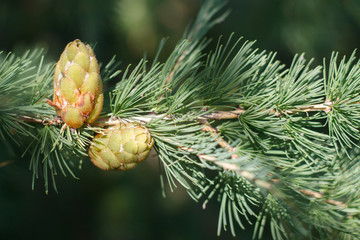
216, 115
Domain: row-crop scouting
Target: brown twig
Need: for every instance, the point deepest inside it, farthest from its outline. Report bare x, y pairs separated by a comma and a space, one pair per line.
318, 195
43, 121
216, 115
231, 167
250, 176
214, 133
325, 107
220, 115
261, 183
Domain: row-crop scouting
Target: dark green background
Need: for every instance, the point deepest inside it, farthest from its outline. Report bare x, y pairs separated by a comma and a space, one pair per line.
129, 205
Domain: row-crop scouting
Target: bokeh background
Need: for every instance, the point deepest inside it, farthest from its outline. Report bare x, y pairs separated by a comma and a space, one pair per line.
129, 205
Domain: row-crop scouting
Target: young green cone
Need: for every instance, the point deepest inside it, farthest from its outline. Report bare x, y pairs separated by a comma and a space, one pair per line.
78, 95
121, 147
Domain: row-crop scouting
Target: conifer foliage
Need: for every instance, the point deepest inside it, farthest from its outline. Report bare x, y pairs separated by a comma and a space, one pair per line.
274, 143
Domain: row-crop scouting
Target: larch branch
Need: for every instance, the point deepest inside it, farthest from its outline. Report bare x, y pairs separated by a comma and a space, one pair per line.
216, 115
109, 121
250, 176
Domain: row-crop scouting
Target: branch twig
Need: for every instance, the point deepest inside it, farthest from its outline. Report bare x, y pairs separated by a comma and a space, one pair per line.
44, 121
250, 176
318, 195
219, 115
325, 107
216, 115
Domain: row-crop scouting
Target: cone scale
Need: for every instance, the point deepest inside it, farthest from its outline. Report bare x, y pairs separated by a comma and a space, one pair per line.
78, 97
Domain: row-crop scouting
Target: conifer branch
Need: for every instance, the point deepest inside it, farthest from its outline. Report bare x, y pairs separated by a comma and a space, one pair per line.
250, 176
216, 115
300, 170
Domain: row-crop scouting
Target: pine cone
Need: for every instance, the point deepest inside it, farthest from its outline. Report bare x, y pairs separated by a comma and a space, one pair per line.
121, 147
78, 96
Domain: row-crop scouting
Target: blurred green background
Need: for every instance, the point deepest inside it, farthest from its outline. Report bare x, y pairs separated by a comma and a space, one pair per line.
129, 205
